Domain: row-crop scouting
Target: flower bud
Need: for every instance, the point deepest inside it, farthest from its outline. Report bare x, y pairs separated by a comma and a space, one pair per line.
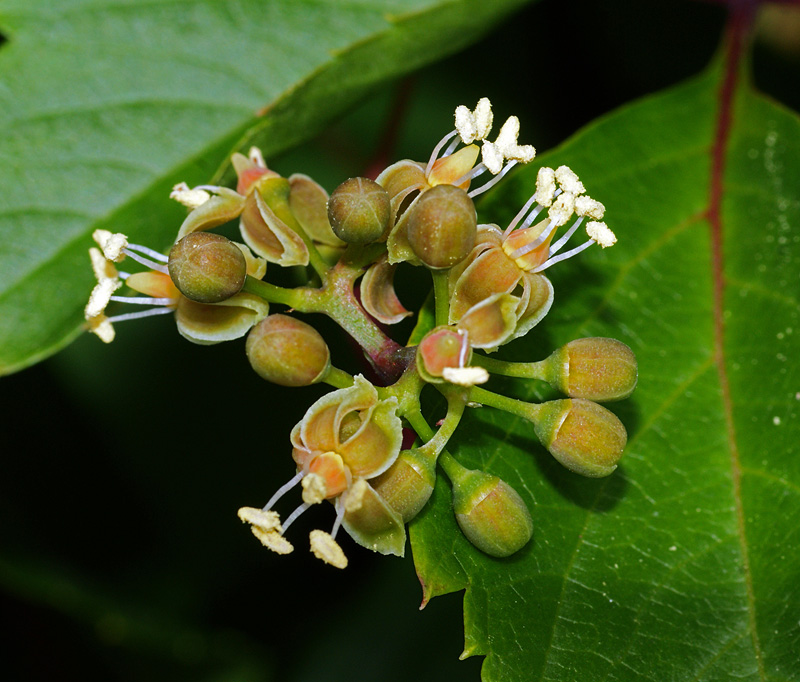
440, 348
207, 267
442, 226
583, 436
595, 368
491, 513
407, 485
287, 351
359, 211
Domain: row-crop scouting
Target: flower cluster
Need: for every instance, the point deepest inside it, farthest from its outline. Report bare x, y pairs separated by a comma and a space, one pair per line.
489, 289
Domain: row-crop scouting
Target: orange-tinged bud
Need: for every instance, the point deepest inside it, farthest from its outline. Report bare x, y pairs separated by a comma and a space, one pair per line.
287, 351
359, 210
491, 513
595, 368
207, 267
440, 348
407, 485
442, 226
583, 436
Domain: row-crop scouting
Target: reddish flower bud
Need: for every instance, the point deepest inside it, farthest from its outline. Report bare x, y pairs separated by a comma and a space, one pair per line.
287, 351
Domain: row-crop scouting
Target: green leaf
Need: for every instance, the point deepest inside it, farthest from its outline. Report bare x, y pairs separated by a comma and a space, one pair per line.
684, 564
105, 105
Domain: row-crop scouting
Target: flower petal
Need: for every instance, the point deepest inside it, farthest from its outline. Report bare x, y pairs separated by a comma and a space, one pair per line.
218, 210
374, 446
206, 324
371, 522
309, 204
491, 322
491, 273
378, 295
268, 235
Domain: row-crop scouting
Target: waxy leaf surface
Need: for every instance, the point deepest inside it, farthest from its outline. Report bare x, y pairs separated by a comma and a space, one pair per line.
685, 563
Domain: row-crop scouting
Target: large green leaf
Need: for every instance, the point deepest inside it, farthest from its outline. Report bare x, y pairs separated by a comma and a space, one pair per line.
684, 564
104, 105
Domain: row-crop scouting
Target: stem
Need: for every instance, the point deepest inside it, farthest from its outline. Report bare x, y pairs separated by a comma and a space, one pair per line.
337, 378
298, 299
441, 291
456, 402
501, 402
524, 370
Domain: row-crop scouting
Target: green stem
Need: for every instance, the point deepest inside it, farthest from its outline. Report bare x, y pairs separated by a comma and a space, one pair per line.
298, 299
501, 402
337, 378
457, 474
456, 402
441, 291
524, 370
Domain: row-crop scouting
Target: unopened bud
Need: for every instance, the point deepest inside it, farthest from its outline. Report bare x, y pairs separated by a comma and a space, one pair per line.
595, 368
491, 513
442, 226
287, 351
359, 211
583, 436
407, 485
439, 349
207, 267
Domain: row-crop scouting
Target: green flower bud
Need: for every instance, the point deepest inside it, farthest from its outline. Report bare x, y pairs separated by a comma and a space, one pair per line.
408, 483
595, 368
359, 210
287, 351
583, 436
442, 226
491, 513
207, 267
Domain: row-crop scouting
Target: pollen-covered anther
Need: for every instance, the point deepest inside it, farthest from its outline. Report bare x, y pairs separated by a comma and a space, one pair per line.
100, 297
324, 547
599, 232
586, 206
545, 186
191, 198
507, 142
266, 526
476, 124
562, 209
568, 180
113, 244
314, 489
465, 376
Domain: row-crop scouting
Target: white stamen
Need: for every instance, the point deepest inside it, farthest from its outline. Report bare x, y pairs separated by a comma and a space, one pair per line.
555, 248
142, 313
145, 300
520, 215
563, 256
294, 515
156, 255
256, 157
491, 183
462, 353
340, 508
100, 296
547, 230
285, 488
436, 150
147, 262
562, 209
476, 124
